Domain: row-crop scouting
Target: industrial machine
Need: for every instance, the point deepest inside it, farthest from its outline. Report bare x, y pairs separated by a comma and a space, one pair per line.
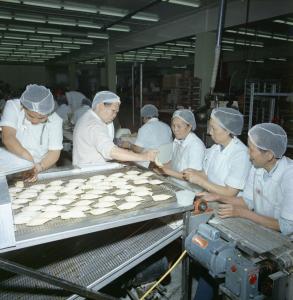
251, 261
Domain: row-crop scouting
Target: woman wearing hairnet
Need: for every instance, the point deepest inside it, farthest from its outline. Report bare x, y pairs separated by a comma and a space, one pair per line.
188, 149
267, 198
226, 164
31, 130
94, 133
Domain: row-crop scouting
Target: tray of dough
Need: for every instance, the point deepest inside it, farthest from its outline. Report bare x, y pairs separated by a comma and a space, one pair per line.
66, 206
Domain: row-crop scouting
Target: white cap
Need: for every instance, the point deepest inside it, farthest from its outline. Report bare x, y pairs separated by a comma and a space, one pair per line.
186, 116
105, 97
269, 137
37, 98
149, 111
229, 119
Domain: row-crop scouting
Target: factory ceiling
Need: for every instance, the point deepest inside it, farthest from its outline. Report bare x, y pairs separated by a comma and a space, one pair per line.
60, 31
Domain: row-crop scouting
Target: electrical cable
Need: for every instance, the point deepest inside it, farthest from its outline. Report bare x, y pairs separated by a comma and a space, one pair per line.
164, 276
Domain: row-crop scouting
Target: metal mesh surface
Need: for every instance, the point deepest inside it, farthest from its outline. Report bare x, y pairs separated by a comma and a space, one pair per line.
164, 188
82, 260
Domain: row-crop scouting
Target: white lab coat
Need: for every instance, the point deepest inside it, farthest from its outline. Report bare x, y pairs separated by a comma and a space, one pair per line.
271, 193
37, 139
153, 134
74, 100
228, 166
188, 153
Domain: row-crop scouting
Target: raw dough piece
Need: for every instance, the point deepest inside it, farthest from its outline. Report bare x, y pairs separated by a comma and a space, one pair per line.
121, 192
141, 181
40, 202
64, 201
133, 198
89, 196
26, 195
147, 174
19, 184
132, 172
38, 187
161, 197
99, 211
16, 206
20, 201
50, 214
24, 217
83, 202
47, 197
108, 199
156, 181
99, 177
54, 188
72, 214
80, 208
104, 204
37, 221
54, 208
32, 208
128, 205
77, 180
143, 193
15, 189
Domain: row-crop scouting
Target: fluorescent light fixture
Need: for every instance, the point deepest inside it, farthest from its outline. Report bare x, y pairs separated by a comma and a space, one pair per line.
62, 40
112, 11
189, 51
284, 22
49, 31
7, 47
280, 37
183, 54
163, 48
62, 50
15, 36
21, 28
41, 38
183, 44
80, 7
146, 17
52, 45
65, 46
6, 15
82, 41
87, 24
123, 28
30, 18
11, 1
255, 60
47, 3
17, 43
3, 27
61, 21
226, 48
95, 35
192, 3
278, 58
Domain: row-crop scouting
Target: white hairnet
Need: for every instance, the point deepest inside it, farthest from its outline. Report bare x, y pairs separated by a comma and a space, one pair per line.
229, 119
105, 97
37, 98
185, 115
149, 111
269, 136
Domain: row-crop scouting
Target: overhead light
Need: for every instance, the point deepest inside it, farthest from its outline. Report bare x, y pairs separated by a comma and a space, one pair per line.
80, 7
164, 48
21, 28
284, 22
61, 21
278, 58
192, 3
49, 31
15, 36
62, 50
62, 40
34, 18
146, 17
123, 28
41, 38
52, 45
47, 3
184, 44
87, 24
227, 48
66, 46
255, 60
4, 42
182, 54
280, 37
112, 11
95, 35
82, 41
11, 1
6, 15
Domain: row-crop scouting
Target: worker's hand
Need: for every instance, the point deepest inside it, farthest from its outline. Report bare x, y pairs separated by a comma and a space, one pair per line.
30, 176
228, 211
194, 176
150, 155
209, 197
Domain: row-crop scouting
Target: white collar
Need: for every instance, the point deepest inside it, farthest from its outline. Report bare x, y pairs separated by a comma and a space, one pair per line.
153, 120
185, 141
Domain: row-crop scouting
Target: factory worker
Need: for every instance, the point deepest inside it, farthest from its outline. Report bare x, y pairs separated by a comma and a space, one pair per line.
226, 164
85, 106
267, 198
74, 99
188, 149
153, 133
63, 110
31, 130
94, 133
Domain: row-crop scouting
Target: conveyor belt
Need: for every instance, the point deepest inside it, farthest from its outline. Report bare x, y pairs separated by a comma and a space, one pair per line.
97, 258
